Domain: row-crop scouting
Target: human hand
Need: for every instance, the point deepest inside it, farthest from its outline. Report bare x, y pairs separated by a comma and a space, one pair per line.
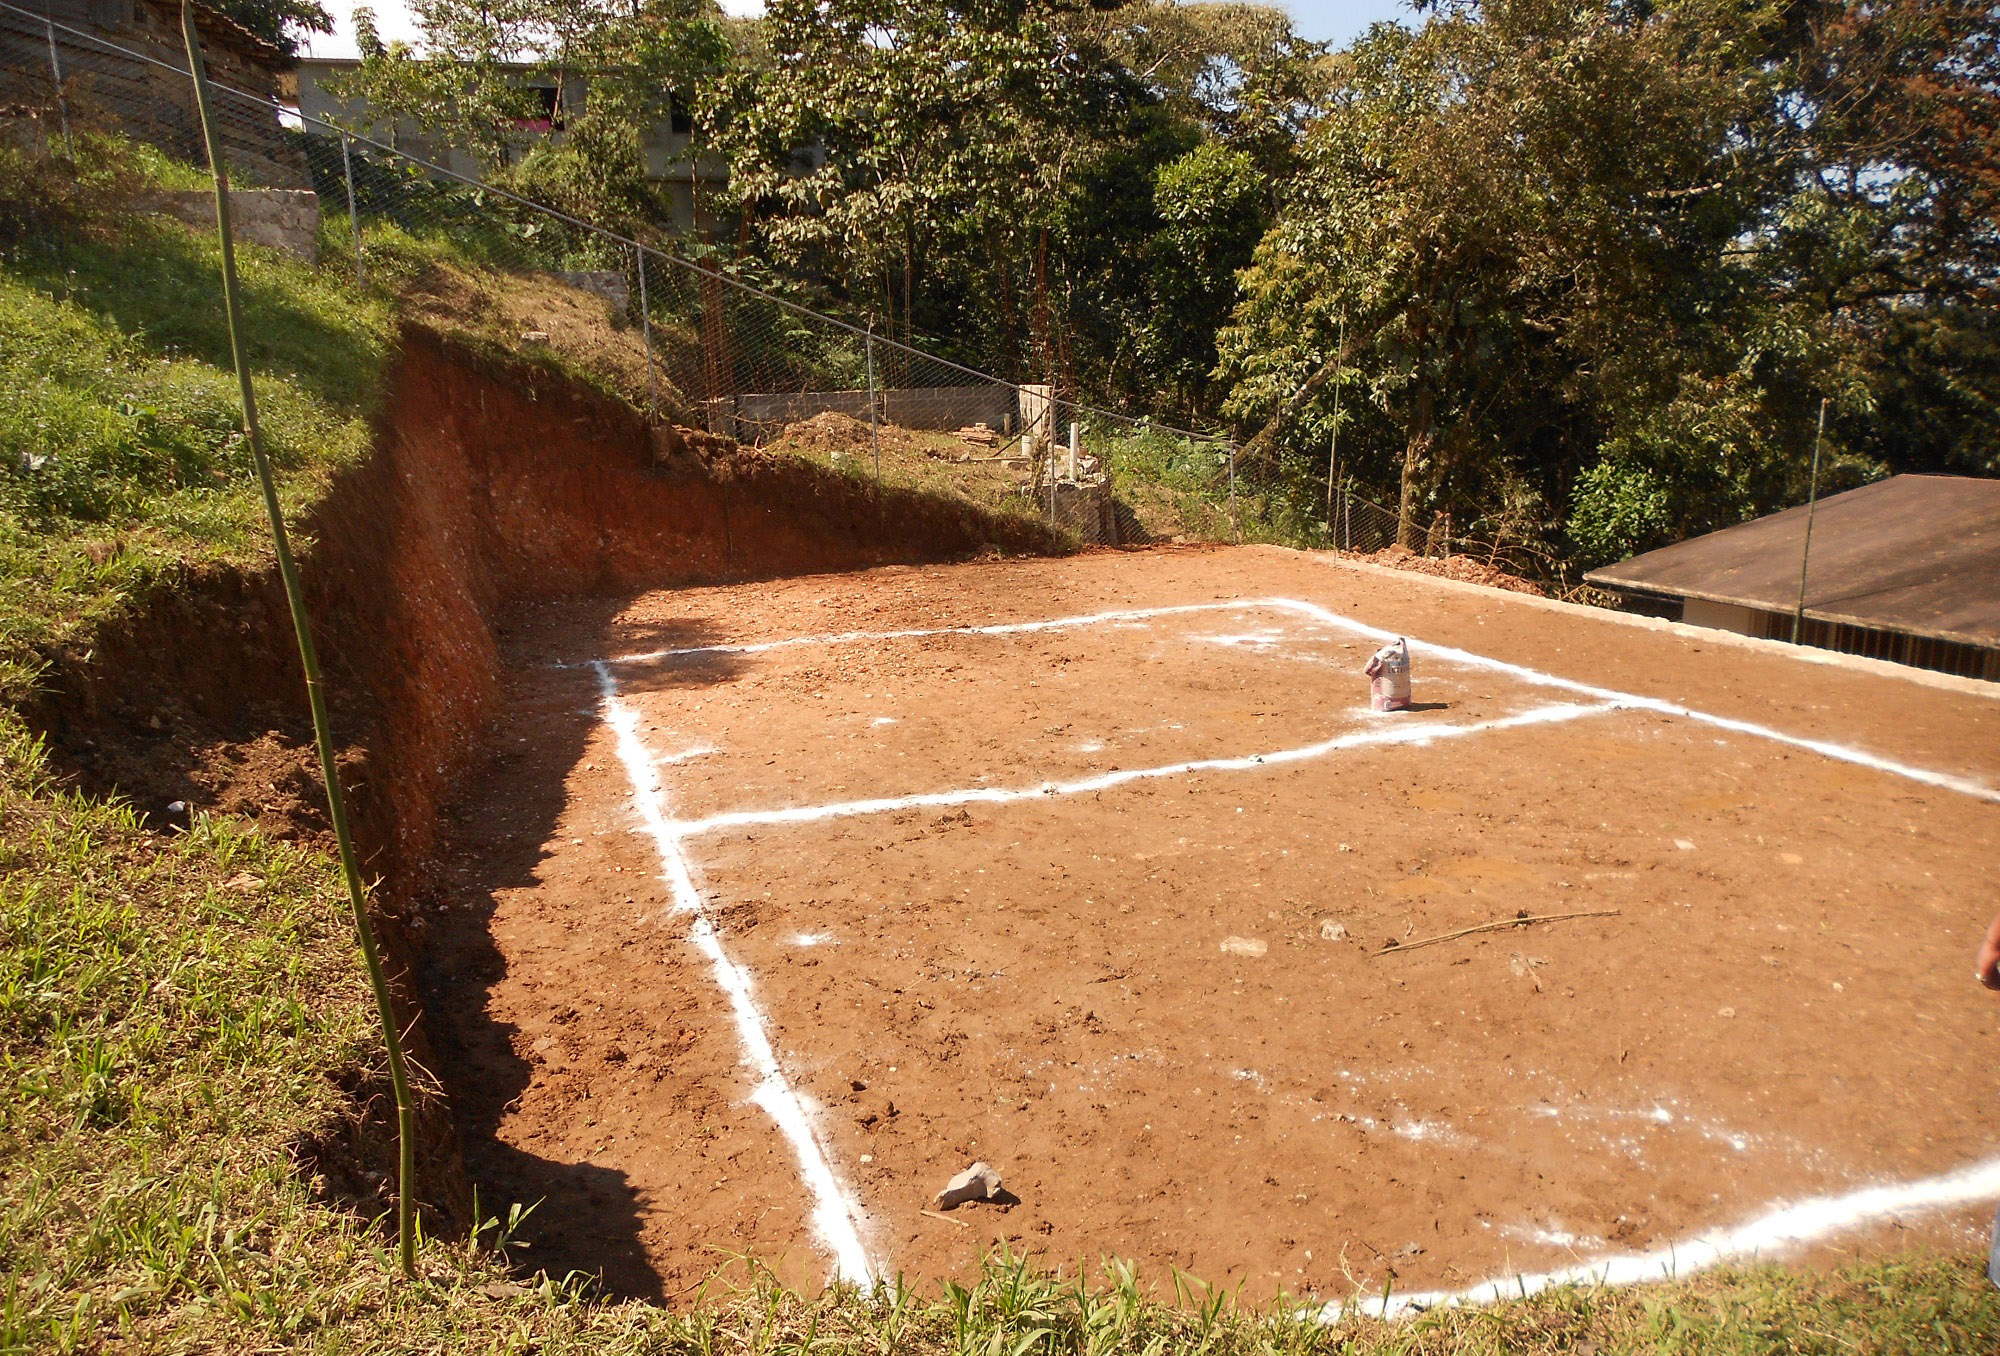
1987, 967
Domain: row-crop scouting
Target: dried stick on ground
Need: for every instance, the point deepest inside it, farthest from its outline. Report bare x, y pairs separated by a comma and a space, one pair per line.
1495, 926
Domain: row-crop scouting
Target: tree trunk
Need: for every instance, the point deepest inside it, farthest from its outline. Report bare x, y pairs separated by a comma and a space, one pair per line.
1044, 332
1422, 412
1260, 446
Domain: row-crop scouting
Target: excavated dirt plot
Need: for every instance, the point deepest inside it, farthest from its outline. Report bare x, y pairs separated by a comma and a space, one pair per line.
1151, 1002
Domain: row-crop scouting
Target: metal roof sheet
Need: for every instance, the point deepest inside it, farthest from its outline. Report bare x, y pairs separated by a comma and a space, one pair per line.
1916, 554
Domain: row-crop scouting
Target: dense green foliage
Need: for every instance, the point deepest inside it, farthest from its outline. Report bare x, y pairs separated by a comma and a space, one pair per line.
1604, 261
1598, 262
279, 22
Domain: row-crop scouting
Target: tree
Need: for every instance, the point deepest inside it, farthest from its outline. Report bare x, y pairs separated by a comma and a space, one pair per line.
1608, 257
1211, 208
620, 66
987, 172
279, 22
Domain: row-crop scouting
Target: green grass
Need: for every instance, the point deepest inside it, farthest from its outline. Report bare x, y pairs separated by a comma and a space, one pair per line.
179, 1015
123, 465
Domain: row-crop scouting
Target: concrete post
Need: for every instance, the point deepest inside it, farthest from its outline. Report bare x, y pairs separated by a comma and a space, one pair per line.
62, 102
874, 430
1235, 533
353, 213
646, 327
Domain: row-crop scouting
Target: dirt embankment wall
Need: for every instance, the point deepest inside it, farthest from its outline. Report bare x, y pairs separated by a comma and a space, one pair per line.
489, 485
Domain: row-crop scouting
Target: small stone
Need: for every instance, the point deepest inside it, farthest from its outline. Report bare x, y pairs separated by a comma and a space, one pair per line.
977, 1183
534, 336
1684, 845
1330, 931
1244, 946
1725, 1012
242, 883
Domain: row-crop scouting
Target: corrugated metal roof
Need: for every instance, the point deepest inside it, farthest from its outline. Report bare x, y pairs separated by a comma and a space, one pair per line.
1916, 554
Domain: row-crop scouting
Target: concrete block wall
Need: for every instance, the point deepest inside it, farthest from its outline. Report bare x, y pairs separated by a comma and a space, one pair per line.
280, 218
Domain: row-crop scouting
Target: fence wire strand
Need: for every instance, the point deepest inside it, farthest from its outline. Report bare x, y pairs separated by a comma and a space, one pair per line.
718, 352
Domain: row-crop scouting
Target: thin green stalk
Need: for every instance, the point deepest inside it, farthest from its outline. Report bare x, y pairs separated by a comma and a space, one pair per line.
288, 571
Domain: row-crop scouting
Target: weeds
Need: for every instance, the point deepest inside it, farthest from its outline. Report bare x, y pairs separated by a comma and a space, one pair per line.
121, 462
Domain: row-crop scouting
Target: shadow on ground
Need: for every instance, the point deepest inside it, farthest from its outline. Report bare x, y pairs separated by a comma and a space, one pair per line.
587, 1218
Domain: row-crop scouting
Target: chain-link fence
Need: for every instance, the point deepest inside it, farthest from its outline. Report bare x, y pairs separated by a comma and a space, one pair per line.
699, 345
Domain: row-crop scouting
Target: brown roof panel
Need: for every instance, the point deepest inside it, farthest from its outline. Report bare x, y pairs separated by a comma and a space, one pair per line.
1917, 554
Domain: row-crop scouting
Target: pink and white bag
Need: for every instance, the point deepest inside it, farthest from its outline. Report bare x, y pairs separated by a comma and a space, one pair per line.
1389, 677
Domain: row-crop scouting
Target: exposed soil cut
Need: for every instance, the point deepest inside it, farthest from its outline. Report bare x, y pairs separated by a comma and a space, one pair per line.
491, 486
1152, 1004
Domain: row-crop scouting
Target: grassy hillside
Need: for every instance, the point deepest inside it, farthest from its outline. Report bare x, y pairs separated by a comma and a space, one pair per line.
124, 463
185, 1039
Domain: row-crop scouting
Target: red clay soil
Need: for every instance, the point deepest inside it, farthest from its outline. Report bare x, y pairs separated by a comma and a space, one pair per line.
1465, 569
1155, 1007
489, 486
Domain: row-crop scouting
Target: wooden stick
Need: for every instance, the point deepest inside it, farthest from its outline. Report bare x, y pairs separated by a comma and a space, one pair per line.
1492, 927
295, 598
946, 1218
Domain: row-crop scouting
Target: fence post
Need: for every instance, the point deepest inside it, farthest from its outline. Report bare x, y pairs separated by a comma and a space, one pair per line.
874, 432
1333, 438
62, 103
1046, 446
646, 328
353, 212
1812, 504
1235, 530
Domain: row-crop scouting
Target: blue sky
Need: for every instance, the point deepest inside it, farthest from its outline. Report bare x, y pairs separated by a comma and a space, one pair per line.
1323, 20
1339, 20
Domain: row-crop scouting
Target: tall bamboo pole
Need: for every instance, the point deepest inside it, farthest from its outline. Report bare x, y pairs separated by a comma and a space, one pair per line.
288, 571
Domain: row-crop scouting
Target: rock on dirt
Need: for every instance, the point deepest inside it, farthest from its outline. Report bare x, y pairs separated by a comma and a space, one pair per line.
977, 1183
1332, 931
1244, 946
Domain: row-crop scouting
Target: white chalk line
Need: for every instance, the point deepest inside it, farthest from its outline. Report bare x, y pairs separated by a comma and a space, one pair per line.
1840, 752
834, 1213
1402, 733
1788, 1226
918, 633
1631, 700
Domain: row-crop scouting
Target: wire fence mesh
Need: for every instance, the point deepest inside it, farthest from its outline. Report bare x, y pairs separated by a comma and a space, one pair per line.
709, 350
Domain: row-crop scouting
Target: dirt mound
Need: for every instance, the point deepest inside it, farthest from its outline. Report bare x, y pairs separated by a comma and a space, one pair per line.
831, 431
1464, 569
493, 483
